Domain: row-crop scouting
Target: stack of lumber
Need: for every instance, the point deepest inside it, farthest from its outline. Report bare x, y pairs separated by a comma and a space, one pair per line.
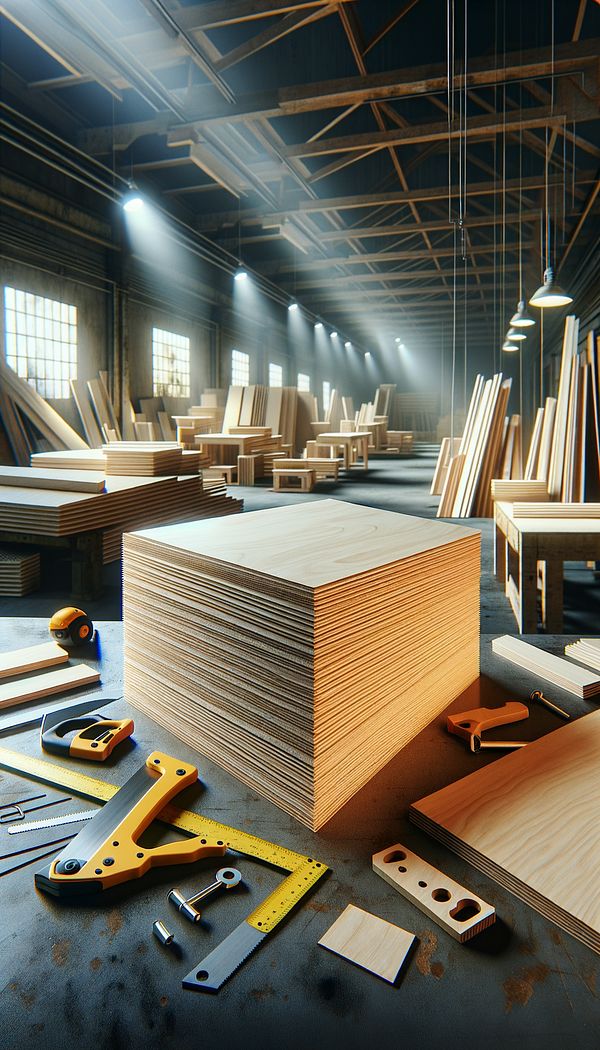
448, 450
259, 406
518, 490
565, 443
418, 412
142, 458
530, 821
25, 412
552, 511
586, 650
54, 673
255, 640
466, 492
61, 480
19, 572
125, 502
384, 399
95, 460
307, 412
547, 666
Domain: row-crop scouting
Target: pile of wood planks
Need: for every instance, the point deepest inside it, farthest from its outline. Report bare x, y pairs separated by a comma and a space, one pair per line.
19, 571
564, 450
29, 420
274, 643
186, 462
586, 651
549, 667
259, 406
142, 458
489, 448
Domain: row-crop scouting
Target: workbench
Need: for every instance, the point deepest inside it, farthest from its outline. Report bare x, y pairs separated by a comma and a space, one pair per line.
521, 543
355, 444
92, 973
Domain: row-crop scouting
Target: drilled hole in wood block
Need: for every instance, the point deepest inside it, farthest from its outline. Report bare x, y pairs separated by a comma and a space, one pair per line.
394, 857
465, 910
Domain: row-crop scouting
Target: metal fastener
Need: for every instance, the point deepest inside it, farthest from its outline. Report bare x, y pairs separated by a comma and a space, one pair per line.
539, 696
161, 932
226, 878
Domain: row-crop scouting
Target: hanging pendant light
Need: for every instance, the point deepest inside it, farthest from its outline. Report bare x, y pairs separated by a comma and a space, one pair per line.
509, 348
514, 335
522, 319
549, 293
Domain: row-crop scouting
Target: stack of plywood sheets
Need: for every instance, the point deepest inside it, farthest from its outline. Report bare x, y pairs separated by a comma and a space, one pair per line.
560, 511
466, 491
19, 572
190, 461
586, 651
550, 668
125, 503
301, 648
530, 821
521, 490
142, 458
62, 480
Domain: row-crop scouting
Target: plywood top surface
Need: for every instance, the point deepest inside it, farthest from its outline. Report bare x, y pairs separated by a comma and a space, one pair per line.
551, 526
55, 499
536, 814
313, 543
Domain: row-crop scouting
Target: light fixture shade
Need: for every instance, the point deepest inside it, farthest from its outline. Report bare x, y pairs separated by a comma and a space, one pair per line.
510, 348
522, 319
133, 202
293, 307
348, 344
240, 274
318, 325
549, 294
515, 335
333, 335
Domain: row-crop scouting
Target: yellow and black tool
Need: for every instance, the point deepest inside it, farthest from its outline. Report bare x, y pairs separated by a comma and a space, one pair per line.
302, 873
106, 851
95, 737
71, 626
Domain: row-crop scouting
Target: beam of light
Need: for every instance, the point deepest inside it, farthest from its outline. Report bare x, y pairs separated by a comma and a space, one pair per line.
240, 275
318, 326
333, 335
348, 344
293, 307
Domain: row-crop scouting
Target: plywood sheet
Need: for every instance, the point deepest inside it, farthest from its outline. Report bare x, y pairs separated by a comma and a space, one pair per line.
73, 676
550, 668
368, 941
31, 658
531, 821
60, 480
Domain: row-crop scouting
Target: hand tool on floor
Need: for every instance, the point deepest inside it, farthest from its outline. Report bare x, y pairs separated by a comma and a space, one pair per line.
106, 852
222, 963
95, 738
225, 879
470, 725
541, 699
71, 626
34, 716
15, 811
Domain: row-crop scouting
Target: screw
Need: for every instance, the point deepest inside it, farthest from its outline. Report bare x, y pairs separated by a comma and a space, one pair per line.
538, 695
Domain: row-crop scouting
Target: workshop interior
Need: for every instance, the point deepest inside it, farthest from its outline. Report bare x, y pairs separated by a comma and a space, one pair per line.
299, 524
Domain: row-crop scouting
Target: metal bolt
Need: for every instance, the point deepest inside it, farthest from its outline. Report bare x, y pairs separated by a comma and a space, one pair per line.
477, 744
539, 696
226, 878
161, 932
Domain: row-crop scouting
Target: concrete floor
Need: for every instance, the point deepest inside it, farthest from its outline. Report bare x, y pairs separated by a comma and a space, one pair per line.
391, 484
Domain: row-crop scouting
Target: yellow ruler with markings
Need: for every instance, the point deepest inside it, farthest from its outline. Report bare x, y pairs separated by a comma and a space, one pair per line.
303, 871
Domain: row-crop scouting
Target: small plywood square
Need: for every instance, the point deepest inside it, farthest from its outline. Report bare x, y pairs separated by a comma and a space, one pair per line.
368, 941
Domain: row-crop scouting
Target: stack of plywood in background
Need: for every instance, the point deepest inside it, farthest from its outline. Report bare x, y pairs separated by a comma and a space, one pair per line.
254, 639
184, 461
259, 406
448, 450
142, 458
19, 572
482, 452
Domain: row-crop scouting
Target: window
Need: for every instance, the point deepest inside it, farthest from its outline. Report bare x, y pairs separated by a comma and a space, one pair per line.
303, 381
275, 375
41, 341
170, 364
326, 394
240, 368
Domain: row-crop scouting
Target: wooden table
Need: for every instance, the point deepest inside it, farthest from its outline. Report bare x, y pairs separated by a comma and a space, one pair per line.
521, 543
242, 443
358, 439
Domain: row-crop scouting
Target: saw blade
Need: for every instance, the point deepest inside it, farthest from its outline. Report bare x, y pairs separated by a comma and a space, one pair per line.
220, 964
52, 822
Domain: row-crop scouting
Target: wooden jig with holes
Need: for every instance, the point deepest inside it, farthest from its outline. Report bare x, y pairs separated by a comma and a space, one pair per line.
459, 912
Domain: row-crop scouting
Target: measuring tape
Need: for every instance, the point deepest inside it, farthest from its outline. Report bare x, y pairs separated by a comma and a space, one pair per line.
304, 871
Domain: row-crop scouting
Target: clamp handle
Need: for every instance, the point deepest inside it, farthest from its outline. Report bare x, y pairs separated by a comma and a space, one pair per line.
95, 737
470, 724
